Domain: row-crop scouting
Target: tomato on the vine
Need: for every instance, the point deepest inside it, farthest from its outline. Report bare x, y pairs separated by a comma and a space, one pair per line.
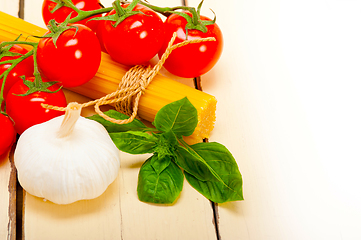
62, 13
27, 111
24, 68
8, 134
100, 33
194, 59
74, 60
136, 39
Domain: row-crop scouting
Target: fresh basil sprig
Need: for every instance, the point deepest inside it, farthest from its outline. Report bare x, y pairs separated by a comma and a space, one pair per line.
208, 166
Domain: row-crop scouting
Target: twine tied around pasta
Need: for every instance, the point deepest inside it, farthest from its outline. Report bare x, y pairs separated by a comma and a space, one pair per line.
131, 87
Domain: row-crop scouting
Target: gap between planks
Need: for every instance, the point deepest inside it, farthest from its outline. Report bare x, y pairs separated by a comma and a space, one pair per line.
12, 198
18, 190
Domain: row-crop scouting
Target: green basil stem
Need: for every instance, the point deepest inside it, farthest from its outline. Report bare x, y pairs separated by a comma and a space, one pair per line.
183, 143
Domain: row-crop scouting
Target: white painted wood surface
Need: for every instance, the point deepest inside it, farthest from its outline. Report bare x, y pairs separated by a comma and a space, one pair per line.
4, 196
10, 7
288, 109
288, 89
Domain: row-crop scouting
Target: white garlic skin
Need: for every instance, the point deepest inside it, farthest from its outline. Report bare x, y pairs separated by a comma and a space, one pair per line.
65, 170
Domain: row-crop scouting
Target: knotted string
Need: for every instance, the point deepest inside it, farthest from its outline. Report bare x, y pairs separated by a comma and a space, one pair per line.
132, 85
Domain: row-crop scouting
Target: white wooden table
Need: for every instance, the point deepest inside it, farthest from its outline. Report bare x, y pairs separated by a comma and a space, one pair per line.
288, 91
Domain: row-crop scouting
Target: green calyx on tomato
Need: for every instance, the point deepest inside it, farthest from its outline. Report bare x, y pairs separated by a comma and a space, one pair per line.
203, 55
27, 111
38, 85
121, 13
194, 21
74, 60
135, 40
56, 29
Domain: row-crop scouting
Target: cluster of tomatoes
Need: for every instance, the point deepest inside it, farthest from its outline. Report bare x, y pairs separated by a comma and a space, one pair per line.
70, 55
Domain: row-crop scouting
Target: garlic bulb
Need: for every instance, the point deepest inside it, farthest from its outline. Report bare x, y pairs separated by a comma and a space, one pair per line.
66, 159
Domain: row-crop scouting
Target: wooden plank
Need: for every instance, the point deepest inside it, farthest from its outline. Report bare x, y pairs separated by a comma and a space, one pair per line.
10, 7
7, 170
117, 214
7, 198
286, 112
4, 196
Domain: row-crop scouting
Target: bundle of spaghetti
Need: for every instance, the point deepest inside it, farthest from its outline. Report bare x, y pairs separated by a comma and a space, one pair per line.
160, 92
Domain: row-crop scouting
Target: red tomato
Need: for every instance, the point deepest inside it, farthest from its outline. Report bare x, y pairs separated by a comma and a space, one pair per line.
137, 39
8, 134
27, 111
100, 34
24, 68
61, 14
195, 59
75, 59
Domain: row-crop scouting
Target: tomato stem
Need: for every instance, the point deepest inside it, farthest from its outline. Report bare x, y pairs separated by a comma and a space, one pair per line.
86, 14
120, 11
38, 84
13, 63
69, 3
194, 22
81, 13
123, 13
37, 76
165, 11
56, 29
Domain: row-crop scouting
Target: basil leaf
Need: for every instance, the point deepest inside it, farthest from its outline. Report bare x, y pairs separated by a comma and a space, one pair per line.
159, 188
135, 125
134, 142
193, 165
159, 164
213, 158
180, 116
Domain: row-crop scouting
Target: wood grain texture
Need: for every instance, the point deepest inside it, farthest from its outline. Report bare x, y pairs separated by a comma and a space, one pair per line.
117, 214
